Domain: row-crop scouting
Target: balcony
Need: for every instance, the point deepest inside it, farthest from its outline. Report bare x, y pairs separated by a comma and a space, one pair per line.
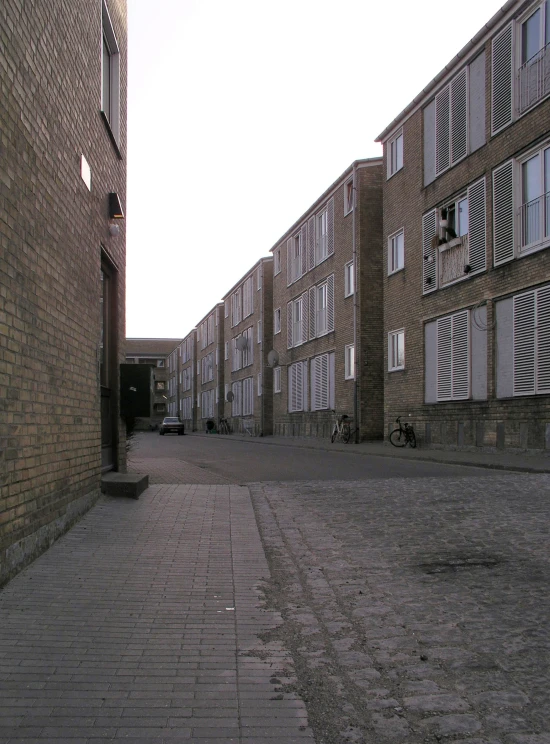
453, 260
534, 80
534, 223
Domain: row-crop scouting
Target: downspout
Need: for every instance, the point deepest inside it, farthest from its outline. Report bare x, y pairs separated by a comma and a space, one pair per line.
262, 350
355, 293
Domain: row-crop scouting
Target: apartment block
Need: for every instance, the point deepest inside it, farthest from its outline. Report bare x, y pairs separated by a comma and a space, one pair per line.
187, 381
466, 233
209, 368
62, 265
328, 311
248, 337
158, 354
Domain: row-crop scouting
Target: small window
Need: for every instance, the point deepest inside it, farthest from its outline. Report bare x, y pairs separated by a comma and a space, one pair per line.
259, 277
226, 350
349, 362
396, 350
110, 77
322, 236
349, 280
259, 384
160, 362
259, 325
348, 196
395, 154
277, 261
396, 252
277, 321
277, 380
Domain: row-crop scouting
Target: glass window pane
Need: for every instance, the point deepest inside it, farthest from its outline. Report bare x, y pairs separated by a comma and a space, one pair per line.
530, 37
106, 93
531, 179
462, 221
399, 152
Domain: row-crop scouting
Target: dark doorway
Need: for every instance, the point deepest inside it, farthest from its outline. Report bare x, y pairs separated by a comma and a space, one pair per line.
107, 368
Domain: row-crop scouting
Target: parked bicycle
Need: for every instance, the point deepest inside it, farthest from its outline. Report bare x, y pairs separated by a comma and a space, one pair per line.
404, 435
342, 429
223, 428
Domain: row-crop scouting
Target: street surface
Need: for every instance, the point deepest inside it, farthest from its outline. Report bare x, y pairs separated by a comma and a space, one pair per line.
267, 594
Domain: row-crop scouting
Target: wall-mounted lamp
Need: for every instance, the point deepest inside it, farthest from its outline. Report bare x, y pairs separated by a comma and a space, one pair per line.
115, 208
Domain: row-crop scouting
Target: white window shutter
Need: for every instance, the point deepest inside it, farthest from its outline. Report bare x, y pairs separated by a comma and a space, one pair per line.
330, 227
459, 116
442, 130
444, 358
319, 393
543, 340
303, 248
524, 344
477, 228
330, 303
461, 355
305, 317
289, 262
312, 312
501, 78
503, 213
250, 345
311, 243
289, 323
429, 252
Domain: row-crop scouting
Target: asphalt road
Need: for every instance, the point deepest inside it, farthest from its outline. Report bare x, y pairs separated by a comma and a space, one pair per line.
222, 460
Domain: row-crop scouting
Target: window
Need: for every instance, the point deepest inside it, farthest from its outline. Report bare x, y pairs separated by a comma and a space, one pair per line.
522, 230
454, 239
395, 154
321, 245
187, 407
226, 350
297, 316
248, 297
349, 281
277, 320
531, 341
110, 77
349, 362
259, 327
259, 276
237, 355
226, 309
534, 38
322, 382
396, 350
277, 380
248, 347
348, 196
259, 384
451, 123
237, 402
453, 357
208, 368
207, 404
321, 308
160, 362
236, 307
277, 261
248, 396
396, 252
297, 386
296, 256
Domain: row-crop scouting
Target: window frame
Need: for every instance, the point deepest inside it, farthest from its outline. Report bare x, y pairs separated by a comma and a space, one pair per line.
349, 279
276, 320
277, 380
320, 237
393, 164
277, 261
349, 196
391, 335
111, 113
392, 269
349, 362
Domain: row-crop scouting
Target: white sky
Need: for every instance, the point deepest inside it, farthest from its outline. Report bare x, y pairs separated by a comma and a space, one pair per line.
241, 113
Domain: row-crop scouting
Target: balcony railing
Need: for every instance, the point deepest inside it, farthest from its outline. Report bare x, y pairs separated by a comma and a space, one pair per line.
534, 222
534, 79
453, 260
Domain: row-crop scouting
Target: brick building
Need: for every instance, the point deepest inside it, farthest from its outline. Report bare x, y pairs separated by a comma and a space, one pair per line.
327, 311
466, 228
187, 381
157, 353
248, 338
209, 367
62, 265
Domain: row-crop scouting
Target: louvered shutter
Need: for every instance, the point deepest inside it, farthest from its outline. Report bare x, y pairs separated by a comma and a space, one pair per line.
429, 252
319, 394
543, 340
312, 330
305, 317
311, 243
459, 116
460, 354
501, 78
250, 346
299, 386
524, 344
330, 303
444, 358
289, 262
476, 226
442, 130
289, 322
330, 227
303, 248
503, 212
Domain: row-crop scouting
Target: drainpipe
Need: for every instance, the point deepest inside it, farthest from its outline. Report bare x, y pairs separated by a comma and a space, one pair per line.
355, 299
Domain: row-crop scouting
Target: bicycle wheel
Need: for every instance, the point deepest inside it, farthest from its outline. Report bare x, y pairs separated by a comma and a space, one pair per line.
346, 433
334, 435
397, 438
411, 438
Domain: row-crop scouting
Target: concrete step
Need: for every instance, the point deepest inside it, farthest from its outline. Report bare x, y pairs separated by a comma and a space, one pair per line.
124, 484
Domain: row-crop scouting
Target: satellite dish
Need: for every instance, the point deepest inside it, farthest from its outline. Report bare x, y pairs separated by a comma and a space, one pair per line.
242, 343
230, 397
273, 358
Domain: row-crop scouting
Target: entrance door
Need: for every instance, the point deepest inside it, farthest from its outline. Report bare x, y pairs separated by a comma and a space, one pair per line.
107, 370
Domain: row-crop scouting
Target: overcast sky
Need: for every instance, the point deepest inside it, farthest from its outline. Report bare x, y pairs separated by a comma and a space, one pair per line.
240, 114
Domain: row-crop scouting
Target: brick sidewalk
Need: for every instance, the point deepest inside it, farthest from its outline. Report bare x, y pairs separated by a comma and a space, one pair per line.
143, 623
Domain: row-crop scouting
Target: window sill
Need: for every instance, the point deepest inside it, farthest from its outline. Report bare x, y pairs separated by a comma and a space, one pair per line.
528, 250
396, 271
396, 369
111, 135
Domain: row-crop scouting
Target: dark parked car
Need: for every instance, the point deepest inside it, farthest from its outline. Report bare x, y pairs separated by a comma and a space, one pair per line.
173, 425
